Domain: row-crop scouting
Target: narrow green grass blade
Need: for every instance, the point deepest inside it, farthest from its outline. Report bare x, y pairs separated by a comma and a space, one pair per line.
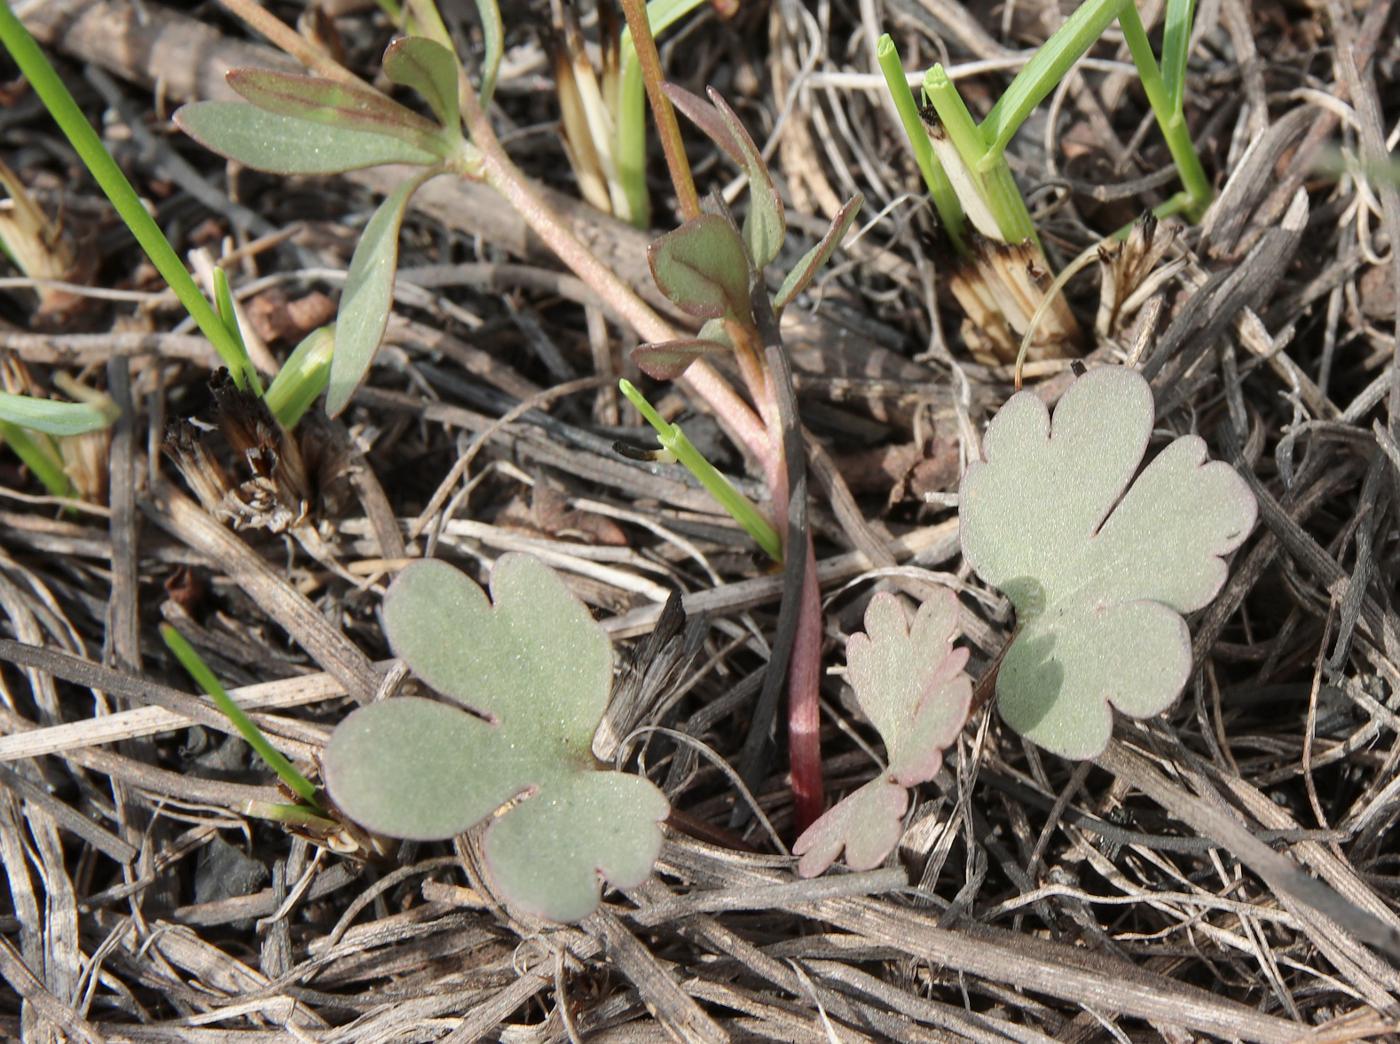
205, 679
40, 457
1054, 59
1176, 44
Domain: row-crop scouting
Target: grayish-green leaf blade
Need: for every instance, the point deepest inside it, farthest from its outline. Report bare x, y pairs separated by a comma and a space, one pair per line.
909, 681
867, 824
51, 417
1045, 518
667, 360
703, 267
369, 290
429, 69
536, 660
413, 768
806, 269
332, 103
286, 145
548, 852
1134, 655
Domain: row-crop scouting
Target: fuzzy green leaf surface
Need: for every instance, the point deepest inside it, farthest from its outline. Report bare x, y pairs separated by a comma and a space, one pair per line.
1099, 570
911, 683
288, 145
369, 290
704, 268
535, 669
430, 69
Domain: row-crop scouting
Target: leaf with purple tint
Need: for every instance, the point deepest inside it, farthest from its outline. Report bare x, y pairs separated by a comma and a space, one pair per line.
909, 681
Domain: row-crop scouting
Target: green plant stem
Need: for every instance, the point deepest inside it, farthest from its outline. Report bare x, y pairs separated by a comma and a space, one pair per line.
37, 452
940, 189
1047, 68
1170, 118
740, 508
65, 112
205, 679
667, 129
987, 169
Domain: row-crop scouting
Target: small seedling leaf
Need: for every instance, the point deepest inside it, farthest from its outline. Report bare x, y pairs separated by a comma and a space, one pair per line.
536, 669
430, 69
331, 103
910, 682
287, 145
667, 360
364, 303
806, 270
1099, 572
704, 268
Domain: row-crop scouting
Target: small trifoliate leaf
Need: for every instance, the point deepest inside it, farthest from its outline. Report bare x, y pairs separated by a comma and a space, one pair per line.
806, 269
1099, 576
704, 268
287, 145
366, 299
537, 668
332, 103
667, 360
910, 682
430, 69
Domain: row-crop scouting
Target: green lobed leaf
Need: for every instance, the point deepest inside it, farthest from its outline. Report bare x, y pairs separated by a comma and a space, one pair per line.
364, 303
667, 360
910, 682
806, 269
1099, 576
537, 667
333, 104
52, 417
704, 268
287, 145
430, 69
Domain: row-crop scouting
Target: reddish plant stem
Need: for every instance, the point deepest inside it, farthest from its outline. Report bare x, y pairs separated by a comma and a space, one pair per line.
666, 127
760, 434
